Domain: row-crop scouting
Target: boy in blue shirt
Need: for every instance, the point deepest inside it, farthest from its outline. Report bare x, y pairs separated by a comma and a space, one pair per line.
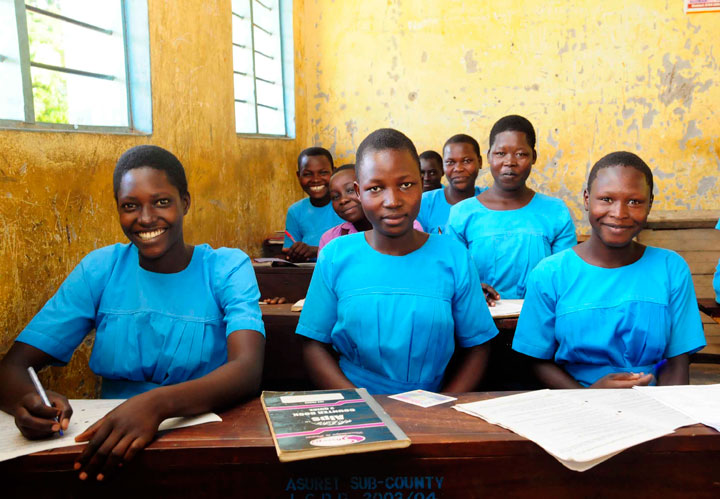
308, 219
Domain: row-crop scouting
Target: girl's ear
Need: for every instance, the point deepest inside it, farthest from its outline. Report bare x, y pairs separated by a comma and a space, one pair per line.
586, 199
356, 186
652, 198
534, 156
186, 203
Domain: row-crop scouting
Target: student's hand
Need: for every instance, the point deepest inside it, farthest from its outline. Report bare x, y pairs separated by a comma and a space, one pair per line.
36, 420
118, 437
623, 380
300, 252
491, 296
275, 300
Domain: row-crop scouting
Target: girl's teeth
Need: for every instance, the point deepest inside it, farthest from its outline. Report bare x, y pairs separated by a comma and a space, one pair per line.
150, 235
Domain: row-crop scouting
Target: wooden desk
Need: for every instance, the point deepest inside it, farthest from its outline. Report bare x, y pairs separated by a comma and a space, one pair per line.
452, 455
710, 307
285, 370
289, 282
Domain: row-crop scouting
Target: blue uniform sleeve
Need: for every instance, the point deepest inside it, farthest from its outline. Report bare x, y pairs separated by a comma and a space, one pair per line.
687, 335
473, 323
319, 314
292, 225
566, 237
66, 318
456, 225
236, 289
535, 332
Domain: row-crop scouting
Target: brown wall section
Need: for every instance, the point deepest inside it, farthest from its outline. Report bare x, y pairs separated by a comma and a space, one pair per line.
56, 201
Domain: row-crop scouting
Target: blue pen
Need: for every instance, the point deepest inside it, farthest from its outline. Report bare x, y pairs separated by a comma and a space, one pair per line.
41, 392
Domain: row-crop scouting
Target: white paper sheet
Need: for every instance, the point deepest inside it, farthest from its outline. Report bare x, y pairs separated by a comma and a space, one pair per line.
85, 413
506, 308
580, 428
700, 402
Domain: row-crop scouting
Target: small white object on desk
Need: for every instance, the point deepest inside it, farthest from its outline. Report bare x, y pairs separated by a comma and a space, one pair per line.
506, 308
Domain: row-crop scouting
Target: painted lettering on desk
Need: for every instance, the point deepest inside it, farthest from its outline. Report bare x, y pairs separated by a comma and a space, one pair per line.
371, 487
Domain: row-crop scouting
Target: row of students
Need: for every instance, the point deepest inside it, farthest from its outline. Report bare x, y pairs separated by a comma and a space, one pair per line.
179, 330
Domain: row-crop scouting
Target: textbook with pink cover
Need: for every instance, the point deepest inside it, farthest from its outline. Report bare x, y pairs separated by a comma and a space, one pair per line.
329, 422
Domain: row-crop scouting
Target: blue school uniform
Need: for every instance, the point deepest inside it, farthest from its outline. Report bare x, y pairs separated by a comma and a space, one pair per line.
395, 320
152, 329
507, 244
593, 321
716, 279
435, 210
307, 223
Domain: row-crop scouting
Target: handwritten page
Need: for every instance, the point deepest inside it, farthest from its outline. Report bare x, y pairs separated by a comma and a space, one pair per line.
506, 308
85, 413
580, 428
701, 402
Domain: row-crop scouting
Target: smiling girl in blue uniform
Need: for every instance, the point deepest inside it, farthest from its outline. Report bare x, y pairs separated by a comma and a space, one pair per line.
509, 228
461, 163
178, 327
610, 312
393, 302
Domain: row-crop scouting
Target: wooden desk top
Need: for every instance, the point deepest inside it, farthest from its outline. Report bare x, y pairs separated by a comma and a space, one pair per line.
456, 454
710, 307
685, 219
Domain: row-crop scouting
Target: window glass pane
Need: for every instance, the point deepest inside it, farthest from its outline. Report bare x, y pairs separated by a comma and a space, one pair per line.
12, 105
271, 122
244, 118
98, 13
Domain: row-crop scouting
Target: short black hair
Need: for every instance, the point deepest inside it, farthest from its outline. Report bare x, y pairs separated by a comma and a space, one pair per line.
432, 156
315, 151
151, 157
348, 166
513, 123
381, 140
621, 158
461, 138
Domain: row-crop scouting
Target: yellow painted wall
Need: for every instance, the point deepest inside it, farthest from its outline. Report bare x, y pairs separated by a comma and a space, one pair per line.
593, 77
56, 201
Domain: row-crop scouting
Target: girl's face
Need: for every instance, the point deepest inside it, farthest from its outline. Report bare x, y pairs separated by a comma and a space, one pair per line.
390, 189
151, 211
344, 200
461, 165
314, 176
511, 159
431, 172
618, 203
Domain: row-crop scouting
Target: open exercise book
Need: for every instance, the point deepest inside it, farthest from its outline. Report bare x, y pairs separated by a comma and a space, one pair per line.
583, 428
85, 413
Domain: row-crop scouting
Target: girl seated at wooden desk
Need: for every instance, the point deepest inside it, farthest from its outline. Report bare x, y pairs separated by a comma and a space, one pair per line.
178, 327
392, 301
610, 312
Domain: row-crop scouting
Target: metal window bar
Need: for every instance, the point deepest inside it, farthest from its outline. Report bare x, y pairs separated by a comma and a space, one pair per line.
238, 15
78, 72
24, 52
262, 29
68, 19
259, 2
254, 72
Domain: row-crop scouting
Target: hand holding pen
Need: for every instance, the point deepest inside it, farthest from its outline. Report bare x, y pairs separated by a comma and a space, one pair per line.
40, 414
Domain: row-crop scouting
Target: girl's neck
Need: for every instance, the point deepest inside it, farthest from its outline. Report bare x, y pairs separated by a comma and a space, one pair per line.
454, 196
595, 252
501, 199
175, 259
401, 245
362, 225
319, 203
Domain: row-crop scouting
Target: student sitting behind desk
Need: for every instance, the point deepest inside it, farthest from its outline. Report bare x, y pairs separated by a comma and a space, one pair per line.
394, 302
461, 162
347, 205
431, 169
610, 312
309, 218
509, 227
178, 327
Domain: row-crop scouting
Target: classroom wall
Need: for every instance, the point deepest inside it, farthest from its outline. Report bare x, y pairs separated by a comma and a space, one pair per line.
593, 77
56, 201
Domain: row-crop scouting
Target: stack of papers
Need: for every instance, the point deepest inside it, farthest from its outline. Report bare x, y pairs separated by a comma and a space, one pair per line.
582, 428
506, 308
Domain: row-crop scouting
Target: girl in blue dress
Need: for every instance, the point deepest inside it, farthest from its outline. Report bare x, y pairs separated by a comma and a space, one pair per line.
509, 228
610, 312
392, 303
178, 327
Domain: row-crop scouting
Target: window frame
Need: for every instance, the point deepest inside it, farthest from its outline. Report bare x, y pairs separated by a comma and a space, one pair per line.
287, 66
137, 73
